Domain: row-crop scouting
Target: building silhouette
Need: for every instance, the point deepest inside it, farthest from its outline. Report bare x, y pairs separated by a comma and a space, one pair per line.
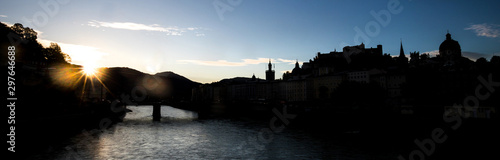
423, 84
314, 80
450, 50
402, 60
270, 72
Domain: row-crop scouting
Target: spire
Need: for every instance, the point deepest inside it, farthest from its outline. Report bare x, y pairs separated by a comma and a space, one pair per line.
297, 63
401, 51
270, 65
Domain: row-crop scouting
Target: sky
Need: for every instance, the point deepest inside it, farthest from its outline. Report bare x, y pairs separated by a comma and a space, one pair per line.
209, 40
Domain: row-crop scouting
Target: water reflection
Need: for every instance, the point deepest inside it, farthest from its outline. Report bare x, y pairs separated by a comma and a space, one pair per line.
167, 113
181, 136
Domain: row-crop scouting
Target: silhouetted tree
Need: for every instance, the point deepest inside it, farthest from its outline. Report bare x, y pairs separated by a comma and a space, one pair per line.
424, 56
30, 34
481, 60
495, 60
286, 75
53, 54
482, 64
25, 33
18, 28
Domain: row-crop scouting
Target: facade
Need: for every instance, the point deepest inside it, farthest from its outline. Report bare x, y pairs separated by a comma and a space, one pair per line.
294, 91
359, 76
325, 85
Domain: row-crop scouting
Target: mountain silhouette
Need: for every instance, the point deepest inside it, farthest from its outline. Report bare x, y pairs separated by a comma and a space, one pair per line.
165, 86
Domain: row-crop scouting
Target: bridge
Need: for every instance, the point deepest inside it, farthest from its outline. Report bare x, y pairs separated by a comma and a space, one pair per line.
156, 109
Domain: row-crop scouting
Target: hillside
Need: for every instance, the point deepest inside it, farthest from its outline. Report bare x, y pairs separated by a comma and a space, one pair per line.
166, 86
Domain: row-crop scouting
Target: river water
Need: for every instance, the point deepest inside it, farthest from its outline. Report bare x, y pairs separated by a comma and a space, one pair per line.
181, 135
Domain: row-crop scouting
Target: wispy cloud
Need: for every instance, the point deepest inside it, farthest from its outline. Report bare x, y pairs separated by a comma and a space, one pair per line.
243, 62
176, 31
433, 53
200, 34
485, 30
288, 61
3, 16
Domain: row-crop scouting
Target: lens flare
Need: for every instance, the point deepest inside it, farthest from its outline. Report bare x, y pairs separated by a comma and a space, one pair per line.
87, 80
90, 70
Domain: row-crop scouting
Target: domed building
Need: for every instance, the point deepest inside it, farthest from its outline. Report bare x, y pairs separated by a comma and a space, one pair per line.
450, 50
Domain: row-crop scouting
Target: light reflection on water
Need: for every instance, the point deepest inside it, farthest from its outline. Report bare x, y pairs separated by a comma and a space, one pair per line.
167, 113
180, 135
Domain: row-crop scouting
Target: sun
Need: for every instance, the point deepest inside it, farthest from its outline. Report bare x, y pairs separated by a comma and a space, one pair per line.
89, 70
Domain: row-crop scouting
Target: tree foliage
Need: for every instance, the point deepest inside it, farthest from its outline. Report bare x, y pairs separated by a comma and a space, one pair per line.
54, 54
28, 49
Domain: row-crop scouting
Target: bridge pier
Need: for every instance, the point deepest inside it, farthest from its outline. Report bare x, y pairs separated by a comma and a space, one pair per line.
156, 112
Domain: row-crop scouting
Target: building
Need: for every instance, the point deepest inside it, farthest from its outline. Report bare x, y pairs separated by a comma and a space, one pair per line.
450, 50
270, 72
294, 90
334, 62
315, 80
359, 76
325, 85
354, 50
401, 59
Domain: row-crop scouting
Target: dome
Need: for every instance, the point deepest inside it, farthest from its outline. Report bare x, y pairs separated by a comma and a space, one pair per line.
450, 47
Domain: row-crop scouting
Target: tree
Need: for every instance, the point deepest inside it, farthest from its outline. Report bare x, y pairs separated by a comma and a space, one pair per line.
424, 56
286, 75
53, 54
18, 28
25, 33
481, 60
30, 34
495, 60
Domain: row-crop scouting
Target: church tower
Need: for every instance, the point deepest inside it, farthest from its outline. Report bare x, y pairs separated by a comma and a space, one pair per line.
401, 50
402, 57
270, 72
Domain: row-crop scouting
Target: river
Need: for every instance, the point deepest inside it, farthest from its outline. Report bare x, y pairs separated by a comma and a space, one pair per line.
181, 135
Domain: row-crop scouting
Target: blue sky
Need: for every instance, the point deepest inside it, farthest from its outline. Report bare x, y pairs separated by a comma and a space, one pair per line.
208, 40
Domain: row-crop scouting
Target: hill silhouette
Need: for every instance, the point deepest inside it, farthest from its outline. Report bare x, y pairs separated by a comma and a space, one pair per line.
165, 86
181, 86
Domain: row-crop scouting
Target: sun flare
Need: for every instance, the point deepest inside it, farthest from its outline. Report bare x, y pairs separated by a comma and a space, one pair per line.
89, 70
